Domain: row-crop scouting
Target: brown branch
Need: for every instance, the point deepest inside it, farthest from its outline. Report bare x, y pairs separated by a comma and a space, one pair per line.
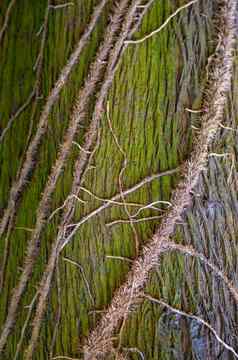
124, 319
220, 83
64, 204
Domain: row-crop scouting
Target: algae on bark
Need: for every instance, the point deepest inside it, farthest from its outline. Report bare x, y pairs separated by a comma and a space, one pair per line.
153, 85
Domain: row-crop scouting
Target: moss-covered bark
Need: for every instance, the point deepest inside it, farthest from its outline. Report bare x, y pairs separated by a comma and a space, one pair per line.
142, 127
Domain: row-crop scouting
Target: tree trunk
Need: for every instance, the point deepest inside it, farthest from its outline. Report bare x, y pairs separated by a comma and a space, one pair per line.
104, 142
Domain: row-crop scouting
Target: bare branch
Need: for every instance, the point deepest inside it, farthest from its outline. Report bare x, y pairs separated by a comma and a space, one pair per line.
120, 179
17, 114
194, 317
116, 197
189, 250
194, 111
151, 206
135, 221
61, 6
6, 20
58, 315
139, 41
81, 148
135, 350
219, 155
64, 357
119, 258
83, 276
30, 308
227, 127
64, 204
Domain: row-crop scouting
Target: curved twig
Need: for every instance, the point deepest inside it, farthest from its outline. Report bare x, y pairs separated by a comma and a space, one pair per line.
6, 20
191, 316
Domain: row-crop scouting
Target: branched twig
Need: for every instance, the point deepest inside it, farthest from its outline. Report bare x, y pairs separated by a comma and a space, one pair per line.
81, 148
151, 206
112, 202
162, 26
64, 204
190, 251
125, 161
218, 155
114, 199
194, 317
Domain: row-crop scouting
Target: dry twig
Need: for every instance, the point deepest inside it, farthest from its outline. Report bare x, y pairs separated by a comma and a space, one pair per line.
6, 20
113, 200
134, 221
125, 162
23, 330
58, 314
83, 276
197, 318
139, 41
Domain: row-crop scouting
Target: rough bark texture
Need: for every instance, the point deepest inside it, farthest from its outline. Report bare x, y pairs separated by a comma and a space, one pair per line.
86, 119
